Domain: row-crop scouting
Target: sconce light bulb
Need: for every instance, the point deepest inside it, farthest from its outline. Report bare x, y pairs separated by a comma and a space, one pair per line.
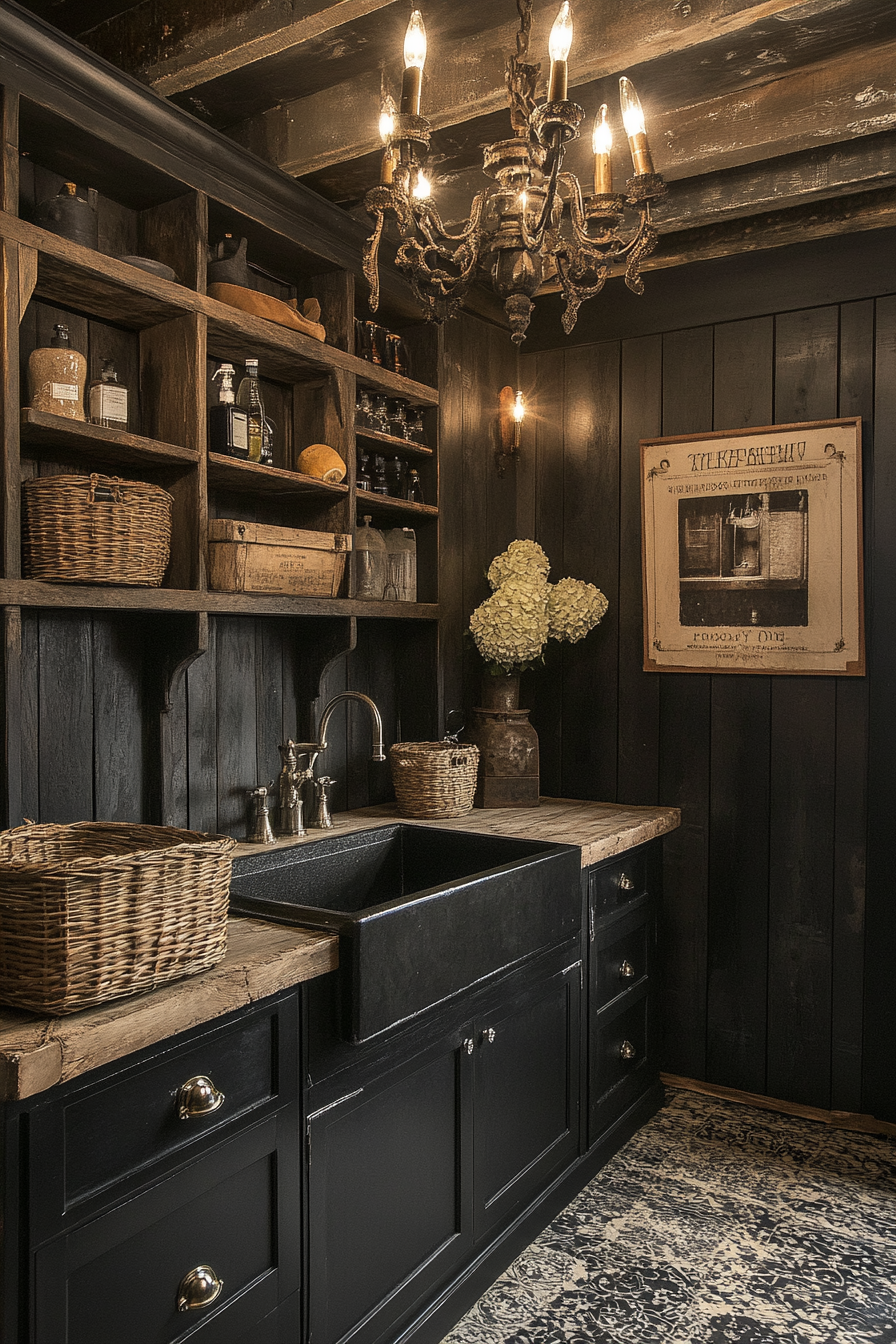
602, 138
632, 113
561, 34
519, 408
415, 42
422, 188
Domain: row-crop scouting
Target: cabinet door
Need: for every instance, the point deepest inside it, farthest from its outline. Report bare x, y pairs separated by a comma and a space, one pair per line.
526, 1095
388, 1194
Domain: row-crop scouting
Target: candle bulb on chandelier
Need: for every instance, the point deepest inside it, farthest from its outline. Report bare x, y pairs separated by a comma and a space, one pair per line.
414, 61
633, 120
558, 47
601, 144
422, 187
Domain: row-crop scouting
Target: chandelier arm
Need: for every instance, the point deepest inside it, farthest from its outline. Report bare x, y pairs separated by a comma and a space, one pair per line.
548, 206
370, 257
471, 225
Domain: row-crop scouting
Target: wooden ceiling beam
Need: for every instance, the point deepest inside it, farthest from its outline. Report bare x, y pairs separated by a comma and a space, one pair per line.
174, 47
466, 80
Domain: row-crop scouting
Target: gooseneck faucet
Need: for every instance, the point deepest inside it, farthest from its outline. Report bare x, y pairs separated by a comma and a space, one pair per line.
321, 819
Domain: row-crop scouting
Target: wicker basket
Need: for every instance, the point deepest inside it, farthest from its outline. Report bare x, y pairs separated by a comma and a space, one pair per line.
96, 529
98, 910
434, 779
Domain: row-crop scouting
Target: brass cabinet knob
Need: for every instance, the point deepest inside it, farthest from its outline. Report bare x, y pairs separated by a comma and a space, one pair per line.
627, 1051
626, 971
198, 1289
488, 1035
198, 1097
626, 883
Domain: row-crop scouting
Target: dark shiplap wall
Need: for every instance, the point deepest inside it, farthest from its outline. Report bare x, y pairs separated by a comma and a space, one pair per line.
777, 973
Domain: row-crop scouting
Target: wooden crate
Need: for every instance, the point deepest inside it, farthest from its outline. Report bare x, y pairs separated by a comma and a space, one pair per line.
255, 558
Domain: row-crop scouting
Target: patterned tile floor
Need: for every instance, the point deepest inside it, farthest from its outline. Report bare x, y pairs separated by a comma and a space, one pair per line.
715, 1224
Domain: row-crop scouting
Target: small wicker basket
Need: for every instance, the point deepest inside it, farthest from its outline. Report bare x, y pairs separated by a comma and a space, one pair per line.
434, 779
96, 529
99, 910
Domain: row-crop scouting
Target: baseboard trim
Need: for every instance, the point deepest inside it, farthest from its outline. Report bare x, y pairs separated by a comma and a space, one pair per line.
853, 1120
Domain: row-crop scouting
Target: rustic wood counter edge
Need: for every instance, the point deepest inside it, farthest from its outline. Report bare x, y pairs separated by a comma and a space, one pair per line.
600, 830
36, 1051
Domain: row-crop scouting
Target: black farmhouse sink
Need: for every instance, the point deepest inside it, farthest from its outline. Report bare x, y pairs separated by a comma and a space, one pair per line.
422, 913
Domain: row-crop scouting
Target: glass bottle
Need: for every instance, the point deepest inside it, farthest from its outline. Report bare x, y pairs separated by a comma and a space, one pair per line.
56, 377
395, 477
370, 561
413, 489
107, 399
249, 397
365, 480
228, 424
380, 484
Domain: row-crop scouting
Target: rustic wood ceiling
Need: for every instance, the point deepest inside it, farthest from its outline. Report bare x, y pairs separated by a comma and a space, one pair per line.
772, 123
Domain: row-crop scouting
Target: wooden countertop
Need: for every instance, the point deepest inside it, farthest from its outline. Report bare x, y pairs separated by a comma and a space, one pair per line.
601, 830
36, 1051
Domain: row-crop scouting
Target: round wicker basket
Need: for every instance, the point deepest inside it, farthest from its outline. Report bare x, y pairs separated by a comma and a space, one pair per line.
434, 779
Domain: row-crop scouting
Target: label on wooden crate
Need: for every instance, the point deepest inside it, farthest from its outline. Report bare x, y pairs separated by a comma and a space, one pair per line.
248, 567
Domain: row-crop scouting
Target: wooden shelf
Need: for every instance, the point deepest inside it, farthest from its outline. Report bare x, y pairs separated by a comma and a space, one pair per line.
231, 473
113, 446
34, 593
400, 447
383, 380
390, 507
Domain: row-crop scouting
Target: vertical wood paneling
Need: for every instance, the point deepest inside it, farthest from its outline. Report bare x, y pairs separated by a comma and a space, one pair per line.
542, 688
451, 519
803, 745
202, 738
118, 699
684, 738
879, 1082
737, 934
590, 551
850, 798
65, 718
639, 692
237, 721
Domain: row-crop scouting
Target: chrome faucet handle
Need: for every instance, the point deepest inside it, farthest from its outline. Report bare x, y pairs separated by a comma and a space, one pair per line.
260, 832
321, 820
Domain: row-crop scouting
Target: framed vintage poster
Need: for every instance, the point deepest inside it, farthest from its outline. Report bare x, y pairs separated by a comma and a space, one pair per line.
752, 550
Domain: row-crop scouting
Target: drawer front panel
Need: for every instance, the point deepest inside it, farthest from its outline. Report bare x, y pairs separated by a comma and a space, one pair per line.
118, 1278
105, 1133
628, 878
623, 961
622, 1060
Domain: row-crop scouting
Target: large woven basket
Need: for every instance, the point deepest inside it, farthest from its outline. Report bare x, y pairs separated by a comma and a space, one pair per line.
434, 779
96, 529
98, 910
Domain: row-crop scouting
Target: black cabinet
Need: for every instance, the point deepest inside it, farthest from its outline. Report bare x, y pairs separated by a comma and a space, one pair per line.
160, 1195
623, 908
412, 1168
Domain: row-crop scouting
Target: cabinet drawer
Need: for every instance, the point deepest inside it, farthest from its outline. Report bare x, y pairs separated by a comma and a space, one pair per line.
119, 1277
107, 1131
622, 955
626, 879
622, 1059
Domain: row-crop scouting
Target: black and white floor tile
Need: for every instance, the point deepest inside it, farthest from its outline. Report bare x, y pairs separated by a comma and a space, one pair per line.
715, 1224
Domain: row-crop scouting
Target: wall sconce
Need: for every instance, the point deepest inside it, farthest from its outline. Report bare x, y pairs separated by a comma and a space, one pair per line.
511, 409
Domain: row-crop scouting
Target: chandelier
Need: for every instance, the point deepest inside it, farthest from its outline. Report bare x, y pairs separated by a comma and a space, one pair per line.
532, 223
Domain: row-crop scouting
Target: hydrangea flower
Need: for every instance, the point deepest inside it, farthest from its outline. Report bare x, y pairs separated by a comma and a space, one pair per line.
521, 559
574, 608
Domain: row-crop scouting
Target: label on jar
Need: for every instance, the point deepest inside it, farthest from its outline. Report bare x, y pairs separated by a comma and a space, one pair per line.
109, 402
65, 391
239, 432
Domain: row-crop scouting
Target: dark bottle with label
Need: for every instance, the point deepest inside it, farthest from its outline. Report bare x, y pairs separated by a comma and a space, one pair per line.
413, 488
249, 397
395, 476
365, 480
228, 424
380, 484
